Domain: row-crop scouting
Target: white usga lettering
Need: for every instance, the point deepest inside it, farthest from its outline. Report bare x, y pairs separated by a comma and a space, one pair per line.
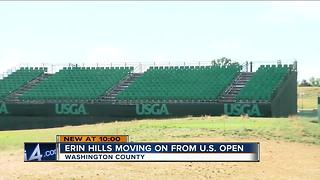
152, 109
70, 109
255, 110
239, 109
3, 109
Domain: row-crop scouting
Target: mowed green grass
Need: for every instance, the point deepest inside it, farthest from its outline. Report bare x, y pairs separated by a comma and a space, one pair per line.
294, 129
308, 97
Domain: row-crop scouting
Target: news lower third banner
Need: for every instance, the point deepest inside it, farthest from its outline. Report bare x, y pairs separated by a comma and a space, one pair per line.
85, 149
158, 152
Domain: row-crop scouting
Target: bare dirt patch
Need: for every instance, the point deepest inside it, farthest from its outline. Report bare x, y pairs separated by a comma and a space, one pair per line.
279, 160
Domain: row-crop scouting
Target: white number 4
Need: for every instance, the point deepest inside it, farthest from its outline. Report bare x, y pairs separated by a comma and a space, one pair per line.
36, 154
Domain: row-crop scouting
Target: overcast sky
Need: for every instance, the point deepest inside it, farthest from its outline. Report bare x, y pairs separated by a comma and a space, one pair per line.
103, 32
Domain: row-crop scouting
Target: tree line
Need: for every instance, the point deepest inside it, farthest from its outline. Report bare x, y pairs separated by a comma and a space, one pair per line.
312, 82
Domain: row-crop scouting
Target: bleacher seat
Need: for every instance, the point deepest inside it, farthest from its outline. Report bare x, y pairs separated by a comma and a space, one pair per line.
17, 79
180, 83
77, 84
264, 83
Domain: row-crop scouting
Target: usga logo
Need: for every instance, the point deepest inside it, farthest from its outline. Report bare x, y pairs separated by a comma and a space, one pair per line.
3, 109
152, 109
238, 109
73, 109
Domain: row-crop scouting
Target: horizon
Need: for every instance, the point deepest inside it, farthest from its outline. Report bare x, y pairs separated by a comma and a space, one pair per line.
162, 32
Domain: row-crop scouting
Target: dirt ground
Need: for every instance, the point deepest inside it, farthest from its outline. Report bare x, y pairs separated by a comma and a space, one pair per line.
279, 160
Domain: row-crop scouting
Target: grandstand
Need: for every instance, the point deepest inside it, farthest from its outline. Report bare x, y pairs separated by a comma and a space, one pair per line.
113, 92
264, 84
180, 83
77, 84
18, 79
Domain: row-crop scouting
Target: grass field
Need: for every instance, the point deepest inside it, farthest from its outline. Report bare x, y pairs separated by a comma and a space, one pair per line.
305, 130
289, 149
307, 97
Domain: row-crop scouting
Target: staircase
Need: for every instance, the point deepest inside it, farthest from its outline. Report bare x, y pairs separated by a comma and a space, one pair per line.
110, 96
233, 90
14, 96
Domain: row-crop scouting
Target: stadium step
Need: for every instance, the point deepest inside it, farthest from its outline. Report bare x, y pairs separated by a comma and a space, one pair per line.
110, 96
233, 90
14, 96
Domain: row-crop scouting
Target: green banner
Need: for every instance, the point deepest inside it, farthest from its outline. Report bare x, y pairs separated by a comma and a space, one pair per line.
137, 110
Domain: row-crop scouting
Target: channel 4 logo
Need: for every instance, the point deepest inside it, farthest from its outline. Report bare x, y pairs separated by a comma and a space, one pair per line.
40, 152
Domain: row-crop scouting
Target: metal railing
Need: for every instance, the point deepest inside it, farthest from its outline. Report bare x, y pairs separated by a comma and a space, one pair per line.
140, 67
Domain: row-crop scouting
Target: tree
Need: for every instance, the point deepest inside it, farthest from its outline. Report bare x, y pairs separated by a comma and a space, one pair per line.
304, 83
314, 81
224, 62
